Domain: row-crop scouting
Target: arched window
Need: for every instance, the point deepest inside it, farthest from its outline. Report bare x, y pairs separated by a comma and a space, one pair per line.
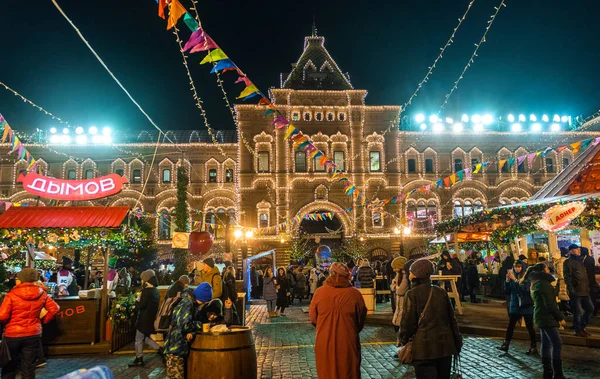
330, 116
411, 212
341, 116
432, 212
478, 206
210, 222
136, 176
71, 174
164, 225
300, 158
306, 116
264, 220
375, 161
458, 209
212, 175
319, 116
119, 172
421, 210
166, 176
468, 208
229, 175
89, 173
295, 116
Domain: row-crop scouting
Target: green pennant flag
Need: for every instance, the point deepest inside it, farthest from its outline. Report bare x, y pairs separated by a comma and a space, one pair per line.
510, 162
190, 22
460, 175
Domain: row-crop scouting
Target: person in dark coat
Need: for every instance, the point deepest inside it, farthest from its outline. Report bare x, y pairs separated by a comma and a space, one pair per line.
283, 292
270, 291
547, 317
365, 275
229, 284
578, 287
472, 279
428, 319
506, 265
590, 270
253, 283
147, 306
520, 305
177, 288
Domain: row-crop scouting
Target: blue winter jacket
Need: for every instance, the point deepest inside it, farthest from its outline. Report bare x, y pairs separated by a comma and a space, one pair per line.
520, 298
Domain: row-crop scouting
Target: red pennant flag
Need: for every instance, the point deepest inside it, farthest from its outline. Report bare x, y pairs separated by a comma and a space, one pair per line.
162, 4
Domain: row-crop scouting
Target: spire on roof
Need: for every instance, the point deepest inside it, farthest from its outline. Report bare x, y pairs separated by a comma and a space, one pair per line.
316, 69
314, 27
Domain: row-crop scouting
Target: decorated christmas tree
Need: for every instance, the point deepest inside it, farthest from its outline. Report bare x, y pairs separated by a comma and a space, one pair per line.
181, 220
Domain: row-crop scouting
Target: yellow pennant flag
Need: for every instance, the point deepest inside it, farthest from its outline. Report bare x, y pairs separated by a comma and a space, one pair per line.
576, 146
453, 178
248, 90
477, 168
214, 56
5, 134
501, 164
289, 131
177, 10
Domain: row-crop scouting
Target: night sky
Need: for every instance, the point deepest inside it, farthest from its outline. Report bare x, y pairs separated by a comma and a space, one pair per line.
540, 56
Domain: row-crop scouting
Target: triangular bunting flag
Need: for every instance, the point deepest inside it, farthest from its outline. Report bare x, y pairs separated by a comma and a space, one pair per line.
289, 131
190, 22
177, 10
585, 143
453, 178
162, 4
263, 101
468, 173
460, 175
501, 164
561, 148
511, 161
439, 183
530, 159
222, 65
596, 141
477, 168
576, 146
214, 56
521, 159
248, 91
447, 181
247, 82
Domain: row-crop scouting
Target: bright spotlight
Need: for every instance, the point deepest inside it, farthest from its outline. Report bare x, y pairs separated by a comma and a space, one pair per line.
511, 118
107, 140
396, 230
97, 139
55, 139
106, 131
438, 128
81, 140
516, 128
545, 118
536, 127
487, 119
66, 131
555, 127
407, 230
249, 234
476, 118
433, 118
564, 119
465, 118
423, 126
420, 117
449, 120
522, 118
556, 118
79, 130
478, 128
65, 139
53, 130
457, 128
93, 130
238, 233
532, 118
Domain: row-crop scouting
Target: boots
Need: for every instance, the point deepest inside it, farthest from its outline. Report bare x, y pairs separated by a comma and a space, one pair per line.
504, 346
557, 367
547, 362
532, 351
138, 362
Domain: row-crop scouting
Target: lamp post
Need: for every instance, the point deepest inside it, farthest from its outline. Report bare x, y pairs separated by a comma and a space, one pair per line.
402, 231
244, 238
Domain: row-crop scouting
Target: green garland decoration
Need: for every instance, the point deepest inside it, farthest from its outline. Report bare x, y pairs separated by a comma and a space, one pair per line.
505, 236
122, 309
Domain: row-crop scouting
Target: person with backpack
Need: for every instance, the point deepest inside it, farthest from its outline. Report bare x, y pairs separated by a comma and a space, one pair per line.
177, 288
147, 305
182, 330
210, 274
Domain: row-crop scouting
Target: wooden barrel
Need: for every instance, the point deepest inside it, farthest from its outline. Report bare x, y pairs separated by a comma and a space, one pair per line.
226, 355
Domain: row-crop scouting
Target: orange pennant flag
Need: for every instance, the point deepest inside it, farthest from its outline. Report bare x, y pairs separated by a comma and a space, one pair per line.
177, 10
447, 181
264, 101
323, 160
162, 4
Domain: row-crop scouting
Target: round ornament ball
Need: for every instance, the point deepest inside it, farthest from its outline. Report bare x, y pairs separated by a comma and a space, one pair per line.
323, 252
200, 242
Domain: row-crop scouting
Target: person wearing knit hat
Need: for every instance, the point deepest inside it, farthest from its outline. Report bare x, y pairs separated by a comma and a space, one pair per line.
28, 275
338, 311
203, 293
210, 274
428, 316
176, 289
398, 288
147, 306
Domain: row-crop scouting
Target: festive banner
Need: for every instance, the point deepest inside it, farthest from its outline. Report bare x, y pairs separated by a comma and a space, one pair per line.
59, 189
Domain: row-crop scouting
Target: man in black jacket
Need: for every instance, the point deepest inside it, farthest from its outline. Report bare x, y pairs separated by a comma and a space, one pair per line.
590, 270
576, 280
176, 288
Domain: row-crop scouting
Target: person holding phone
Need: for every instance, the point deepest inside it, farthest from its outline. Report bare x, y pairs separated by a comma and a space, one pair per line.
520, 305
547, 317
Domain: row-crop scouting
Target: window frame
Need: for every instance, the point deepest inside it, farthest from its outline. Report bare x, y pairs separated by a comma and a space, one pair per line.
263, 154
162, 178
408, 164
339, 164
549, 162
371, 153
72, 171
212, 175
432, 170
229, 175
86, 172
133, 176
300, 157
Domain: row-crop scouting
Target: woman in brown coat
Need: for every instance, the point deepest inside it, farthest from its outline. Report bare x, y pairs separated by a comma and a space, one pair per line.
338, 311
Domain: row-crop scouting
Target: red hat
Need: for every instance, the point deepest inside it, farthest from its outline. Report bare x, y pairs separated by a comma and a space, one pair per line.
340, 269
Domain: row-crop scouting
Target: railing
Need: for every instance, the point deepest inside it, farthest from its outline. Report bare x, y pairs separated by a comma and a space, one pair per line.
122, 334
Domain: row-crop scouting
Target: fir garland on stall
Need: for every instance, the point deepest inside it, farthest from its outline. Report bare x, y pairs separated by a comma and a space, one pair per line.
181, 221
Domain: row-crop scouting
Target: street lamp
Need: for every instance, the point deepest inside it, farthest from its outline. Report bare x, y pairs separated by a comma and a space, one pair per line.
404, 231
238, 233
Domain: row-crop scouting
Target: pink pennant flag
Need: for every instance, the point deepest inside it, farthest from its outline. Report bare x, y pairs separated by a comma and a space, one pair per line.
280, 122
530, 159
8, 204
596, 141
245, 80
428, 187
468, 173
200, 41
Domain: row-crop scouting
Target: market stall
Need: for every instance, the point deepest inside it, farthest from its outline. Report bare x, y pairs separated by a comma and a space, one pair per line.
80, 325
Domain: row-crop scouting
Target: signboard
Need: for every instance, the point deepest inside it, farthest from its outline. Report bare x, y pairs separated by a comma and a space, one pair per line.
595, 238
560, 216
180, 240
58, 189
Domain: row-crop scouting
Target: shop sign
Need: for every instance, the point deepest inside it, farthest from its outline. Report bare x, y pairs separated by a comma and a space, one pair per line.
58, 189
180, 240
560, 216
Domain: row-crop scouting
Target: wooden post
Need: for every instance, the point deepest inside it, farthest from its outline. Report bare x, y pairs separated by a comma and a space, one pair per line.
29, 259
86, 281
455, 242
584, 236
104, 301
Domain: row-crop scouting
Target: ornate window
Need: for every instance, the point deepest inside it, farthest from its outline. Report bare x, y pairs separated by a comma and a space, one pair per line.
375, 161
318, 167
306, 116
319, 116
412, 165
166, 176
263, 210
377, 220
458, 164
212, 175
136, 176
330, 116
229, 175
338, 159
295, 116
549, 165
263, 161
89, 174
300, 158
565, 162
341, 116
71, 174
264, 220
119, 172
429, 166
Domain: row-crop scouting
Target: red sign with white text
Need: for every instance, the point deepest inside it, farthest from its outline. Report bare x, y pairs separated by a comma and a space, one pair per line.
58, 189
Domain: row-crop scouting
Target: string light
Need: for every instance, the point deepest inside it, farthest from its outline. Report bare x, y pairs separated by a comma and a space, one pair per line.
472, 58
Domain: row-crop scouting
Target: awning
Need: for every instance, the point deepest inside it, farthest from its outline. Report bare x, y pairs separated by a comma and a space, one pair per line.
63, 217
463, 237
554, 200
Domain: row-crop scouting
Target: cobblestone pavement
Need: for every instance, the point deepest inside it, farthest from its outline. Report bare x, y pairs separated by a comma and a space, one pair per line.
285, 349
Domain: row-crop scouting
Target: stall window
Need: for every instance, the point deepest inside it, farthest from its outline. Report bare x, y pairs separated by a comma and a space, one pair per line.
263, 161
458, 165
89, 174
318, 167
166, 176
137, 176
71, 174
429, 166
377, 221
229, 175
412, 166
212, 175
375, 159
549, 165
565, 162
300, 161
264, 220
119, 172
338, 159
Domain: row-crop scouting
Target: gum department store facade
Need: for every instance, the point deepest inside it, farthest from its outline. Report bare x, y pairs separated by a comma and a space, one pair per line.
230, 185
